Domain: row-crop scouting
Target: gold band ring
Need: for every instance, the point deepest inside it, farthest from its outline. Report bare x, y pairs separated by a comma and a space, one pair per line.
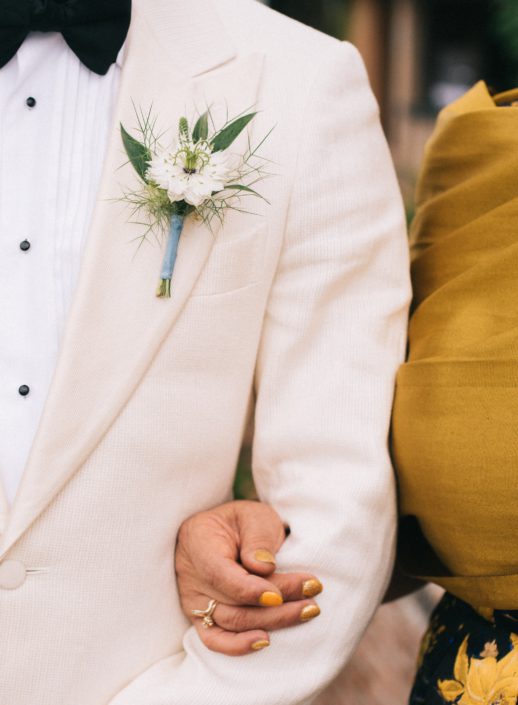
206, 615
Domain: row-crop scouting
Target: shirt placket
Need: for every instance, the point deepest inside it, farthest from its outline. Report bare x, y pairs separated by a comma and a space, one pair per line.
25, 289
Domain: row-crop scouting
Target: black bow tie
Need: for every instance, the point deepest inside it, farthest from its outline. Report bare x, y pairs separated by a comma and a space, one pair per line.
95, 30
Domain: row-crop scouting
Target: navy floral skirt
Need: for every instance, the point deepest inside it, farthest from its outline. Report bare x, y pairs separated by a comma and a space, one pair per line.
468, 657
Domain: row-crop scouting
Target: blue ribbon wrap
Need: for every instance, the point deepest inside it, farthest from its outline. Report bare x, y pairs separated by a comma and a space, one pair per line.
175, 231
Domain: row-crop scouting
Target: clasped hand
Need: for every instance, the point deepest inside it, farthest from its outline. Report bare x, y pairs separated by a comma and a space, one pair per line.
228, 554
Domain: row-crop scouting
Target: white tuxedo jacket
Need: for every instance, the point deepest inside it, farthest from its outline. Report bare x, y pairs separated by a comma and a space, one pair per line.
296, 315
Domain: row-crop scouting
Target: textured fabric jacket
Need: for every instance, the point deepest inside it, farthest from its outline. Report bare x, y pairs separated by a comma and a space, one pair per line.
295, 316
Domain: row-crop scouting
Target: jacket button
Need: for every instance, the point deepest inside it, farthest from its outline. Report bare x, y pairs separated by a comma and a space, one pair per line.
12, 574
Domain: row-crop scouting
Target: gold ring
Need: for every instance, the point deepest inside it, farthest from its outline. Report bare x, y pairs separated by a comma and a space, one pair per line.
206, 615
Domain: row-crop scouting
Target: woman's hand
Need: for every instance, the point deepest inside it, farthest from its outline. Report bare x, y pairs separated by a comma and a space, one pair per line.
228, 554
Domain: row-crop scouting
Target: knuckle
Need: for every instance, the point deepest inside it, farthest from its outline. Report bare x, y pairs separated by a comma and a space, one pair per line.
189, 529
237, 620
292, 586
212, 575
183, 531
193, 519
181, 564
244, 594
264, 510
275, 520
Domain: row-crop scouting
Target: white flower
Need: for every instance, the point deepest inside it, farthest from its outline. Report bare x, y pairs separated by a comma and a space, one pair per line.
190, 172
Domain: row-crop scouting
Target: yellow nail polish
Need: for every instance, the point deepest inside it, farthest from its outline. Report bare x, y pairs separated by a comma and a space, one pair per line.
309, 612
270, 599
258, 645
264, 556
311, 588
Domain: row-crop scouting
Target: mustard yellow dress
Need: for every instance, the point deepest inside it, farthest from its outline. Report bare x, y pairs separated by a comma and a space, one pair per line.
455, 423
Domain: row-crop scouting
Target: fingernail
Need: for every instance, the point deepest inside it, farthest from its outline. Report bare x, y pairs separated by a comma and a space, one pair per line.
270, 599
264, 556
258, 645
309, 612
311, 588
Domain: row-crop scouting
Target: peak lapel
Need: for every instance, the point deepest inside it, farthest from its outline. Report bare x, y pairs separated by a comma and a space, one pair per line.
116, 324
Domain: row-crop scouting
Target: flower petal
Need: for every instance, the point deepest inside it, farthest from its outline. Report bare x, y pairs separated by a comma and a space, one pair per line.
505, 688
482, 676
461, 668
450, 690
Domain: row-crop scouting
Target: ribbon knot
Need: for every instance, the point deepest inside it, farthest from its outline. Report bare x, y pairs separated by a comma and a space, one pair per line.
95, 30
51, 15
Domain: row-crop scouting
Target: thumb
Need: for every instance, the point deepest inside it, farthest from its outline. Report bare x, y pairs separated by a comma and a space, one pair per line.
261, 534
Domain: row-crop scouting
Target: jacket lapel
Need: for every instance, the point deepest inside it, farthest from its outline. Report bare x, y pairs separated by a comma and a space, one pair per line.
4, 508
116, 323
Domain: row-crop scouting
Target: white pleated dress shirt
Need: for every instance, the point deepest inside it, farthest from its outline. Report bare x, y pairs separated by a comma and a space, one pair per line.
55, 115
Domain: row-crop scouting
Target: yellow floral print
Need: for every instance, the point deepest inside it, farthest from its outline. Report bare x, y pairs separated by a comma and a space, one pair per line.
490, 650
484, 681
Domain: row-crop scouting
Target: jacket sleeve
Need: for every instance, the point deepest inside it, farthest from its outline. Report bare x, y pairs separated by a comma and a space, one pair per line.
334, 335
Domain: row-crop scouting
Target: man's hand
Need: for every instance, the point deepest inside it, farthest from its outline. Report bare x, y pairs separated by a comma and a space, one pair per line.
228, 554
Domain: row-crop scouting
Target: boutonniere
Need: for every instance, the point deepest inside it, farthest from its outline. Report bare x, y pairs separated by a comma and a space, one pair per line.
196, 175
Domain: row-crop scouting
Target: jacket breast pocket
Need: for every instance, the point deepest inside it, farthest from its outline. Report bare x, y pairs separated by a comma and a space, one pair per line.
234, 263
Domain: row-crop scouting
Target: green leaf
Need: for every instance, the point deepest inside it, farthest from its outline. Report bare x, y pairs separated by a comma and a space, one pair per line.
183, 128
201, 129
241, 187
138, 154
228, 134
